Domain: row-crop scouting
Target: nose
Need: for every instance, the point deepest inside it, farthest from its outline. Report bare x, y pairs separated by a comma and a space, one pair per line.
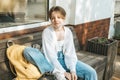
55, 19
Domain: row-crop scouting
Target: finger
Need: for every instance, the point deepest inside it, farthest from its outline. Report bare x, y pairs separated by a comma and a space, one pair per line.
68, 76
72, 76
75, 77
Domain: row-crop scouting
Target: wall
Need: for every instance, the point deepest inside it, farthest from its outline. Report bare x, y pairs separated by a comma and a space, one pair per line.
85, 10
78, 12
117, 6
111, 27
82, 11
69, 6
92, 18
91, 10
85, 31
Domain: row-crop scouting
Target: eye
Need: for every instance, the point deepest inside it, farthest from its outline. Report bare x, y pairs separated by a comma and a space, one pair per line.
52, 18
59, 17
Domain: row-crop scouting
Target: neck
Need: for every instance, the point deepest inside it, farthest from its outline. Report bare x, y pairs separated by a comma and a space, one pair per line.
59, 28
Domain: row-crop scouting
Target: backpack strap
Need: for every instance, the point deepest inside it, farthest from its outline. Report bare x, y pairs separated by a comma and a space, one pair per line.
12, 69
10, 43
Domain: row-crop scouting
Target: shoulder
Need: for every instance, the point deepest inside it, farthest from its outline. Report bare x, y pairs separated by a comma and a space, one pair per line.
68, 30
47, 30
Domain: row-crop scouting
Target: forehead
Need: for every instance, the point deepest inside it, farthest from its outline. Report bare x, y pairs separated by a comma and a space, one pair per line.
56, 13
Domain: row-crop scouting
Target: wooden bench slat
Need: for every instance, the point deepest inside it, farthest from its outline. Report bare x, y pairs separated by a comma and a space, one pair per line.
3, 56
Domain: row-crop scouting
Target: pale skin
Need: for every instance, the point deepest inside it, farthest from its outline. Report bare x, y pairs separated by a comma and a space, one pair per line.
57, 20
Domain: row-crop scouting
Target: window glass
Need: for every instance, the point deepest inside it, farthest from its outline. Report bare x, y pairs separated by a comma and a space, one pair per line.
18, 12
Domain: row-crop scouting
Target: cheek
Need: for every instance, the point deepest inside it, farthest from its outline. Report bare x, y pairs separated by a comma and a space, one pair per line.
62, 21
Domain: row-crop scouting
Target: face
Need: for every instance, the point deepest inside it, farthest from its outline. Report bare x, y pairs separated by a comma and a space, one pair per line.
57, 19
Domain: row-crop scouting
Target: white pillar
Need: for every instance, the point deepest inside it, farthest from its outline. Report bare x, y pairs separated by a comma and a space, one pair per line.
111, 27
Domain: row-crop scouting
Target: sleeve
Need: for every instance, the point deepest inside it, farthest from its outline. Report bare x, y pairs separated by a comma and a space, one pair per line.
70, 53
48, 46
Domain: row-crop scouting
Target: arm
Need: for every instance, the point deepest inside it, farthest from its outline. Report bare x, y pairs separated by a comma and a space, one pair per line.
70, 53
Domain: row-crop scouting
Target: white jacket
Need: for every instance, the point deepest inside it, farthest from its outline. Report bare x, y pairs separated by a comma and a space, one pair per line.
49, 41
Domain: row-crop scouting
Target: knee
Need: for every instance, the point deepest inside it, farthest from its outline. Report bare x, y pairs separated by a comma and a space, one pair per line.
26, 54
29, 50
91, 73
26, 50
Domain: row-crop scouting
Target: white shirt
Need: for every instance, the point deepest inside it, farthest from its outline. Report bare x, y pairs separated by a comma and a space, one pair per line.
49, 41
59, 45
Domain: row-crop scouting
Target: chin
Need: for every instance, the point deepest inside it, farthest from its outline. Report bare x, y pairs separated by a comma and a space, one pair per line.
56, 25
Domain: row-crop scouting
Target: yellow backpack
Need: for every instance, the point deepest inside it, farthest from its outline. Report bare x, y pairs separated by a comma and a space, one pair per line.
23, 69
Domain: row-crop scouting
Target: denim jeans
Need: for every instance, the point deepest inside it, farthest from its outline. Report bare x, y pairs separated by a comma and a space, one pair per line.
35, 57
82, 70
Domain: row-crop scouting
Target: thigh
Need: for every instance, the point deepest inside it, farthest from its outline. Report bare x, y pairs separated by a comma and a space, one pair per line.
35, 57
82, 69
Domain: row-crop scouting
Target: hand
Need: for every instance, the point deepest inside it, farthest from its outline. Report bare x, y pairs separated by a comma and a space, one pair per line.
67, 76
73, 76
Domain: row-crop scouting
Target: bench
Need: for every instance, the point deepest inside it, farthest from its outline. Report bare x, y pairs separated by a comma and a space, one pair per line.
98, 62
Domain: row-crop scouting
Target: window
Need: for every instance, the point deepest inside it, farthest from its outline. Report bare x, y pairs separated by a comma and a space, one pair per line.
18, 12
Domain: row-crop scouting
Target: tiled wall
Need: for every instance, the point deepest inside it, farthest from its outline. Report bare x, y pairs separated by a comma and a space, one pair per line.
99, 28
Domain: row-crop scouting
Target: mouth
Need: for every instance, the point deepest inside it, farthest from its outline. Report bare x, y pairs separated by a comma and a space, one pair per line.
56, 23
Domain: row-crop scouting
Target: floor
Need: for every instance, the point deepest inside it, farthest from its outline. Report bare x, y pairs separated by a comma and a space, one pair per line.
116, 75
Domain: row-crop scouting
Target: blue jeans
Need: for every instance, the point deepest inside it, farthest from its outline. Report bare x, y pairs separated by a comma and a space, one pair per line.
35, 57
82, 70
